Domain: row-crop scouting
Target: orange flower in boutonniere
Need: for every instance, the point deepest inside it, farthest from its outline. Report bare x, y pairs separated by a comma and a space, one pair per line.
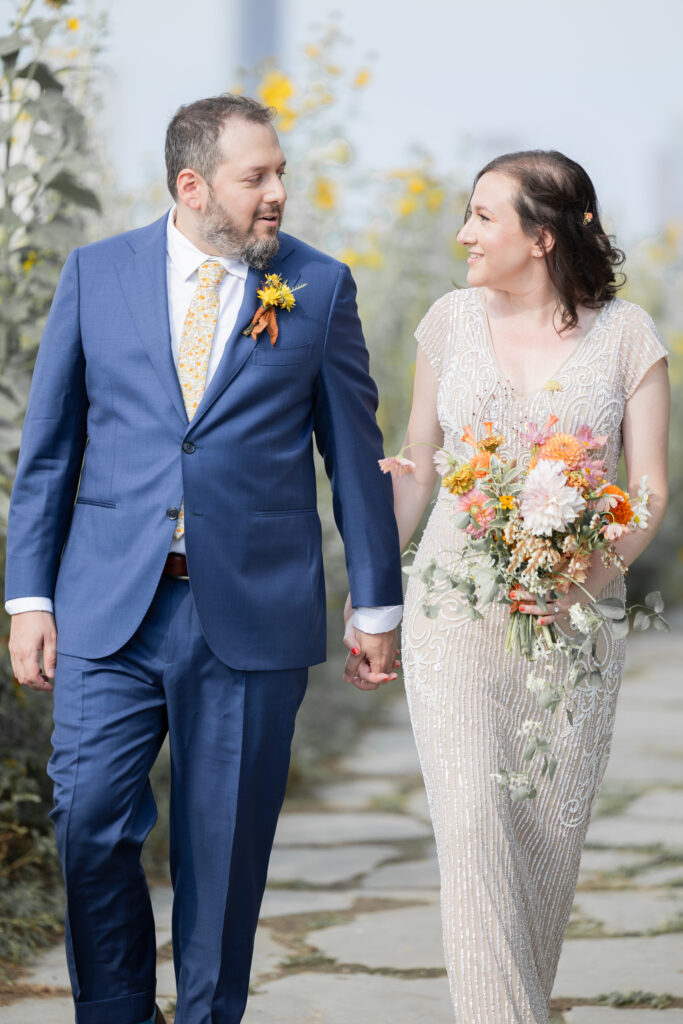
274, 294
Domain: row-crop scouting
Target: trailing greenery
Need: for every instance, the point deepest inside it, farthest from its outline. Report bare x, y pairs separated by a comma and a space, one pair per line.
46, 194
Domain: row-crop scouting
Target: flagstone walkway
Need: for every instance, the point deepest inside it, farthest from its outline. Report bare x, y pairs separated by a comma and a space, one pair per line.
349, 929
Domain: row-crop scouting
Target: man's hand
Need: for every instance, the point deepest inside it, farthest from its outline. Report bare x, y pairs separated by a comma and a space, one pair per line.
31, 633
372, 658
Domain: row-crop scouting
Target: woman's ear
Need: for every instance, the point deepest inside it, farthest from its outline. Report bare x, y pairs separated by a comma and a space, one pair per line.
544, 242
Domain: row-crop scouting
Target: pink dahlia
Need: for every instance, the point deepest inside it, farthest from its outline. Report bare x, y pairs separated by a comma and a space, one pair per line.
547, 502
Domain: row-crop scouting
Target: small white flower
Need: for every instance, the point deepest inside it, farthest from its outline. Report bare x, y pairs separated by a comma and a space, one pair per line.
443, 461
535, 683
579, 618
530, 728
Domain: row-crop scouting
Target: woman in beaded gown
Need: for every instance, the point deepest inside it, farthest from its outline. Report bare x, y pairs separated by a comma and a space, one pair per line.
538, 332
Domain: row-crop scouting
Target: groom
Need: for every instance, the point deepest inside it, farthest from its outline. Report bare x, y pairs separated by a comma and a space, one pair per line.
164, 509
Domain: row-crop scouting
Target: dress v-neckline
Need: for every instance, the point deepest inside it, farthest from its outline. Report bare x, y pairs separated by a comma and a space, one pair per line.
516, 393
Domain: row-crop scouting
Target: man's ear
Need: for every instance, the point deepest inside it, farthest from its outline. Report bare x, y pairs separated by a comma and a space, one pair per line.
544, 242
192, 189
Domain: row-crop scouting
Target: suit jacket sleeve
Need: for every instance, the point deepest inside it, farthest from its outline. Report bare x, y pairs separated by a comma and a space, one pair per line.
350, 442
52, 446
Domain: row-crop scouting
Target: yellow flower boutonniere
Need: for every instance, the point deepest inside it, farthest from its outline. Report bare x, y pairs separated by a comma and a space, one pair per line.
274, 294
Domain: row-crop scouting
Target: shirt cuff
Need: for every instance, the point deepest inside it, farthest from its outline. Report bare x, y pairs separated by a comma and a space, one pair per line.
29, 604
378, 620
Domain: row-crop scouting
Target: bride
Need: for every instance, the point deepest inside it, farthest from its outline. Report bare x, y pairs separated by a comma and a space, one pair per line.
539, 331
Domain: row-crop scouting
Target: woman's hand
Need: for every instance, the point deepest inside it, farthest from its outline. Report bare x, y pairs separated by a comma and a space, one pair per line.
558, 609
354, 645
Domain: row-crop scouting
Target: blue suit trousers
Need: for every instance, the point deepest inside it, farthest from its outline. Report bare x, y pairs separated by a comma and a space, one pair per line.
230, 734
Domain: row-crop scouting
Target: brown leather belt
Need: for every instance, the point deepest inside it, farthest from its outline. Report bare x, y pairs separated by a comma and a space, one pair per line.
176, 566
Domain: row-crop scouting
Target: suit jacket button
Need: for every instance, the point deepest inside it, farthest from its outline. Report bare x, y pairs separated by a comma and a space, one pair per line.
188, 447
172, 513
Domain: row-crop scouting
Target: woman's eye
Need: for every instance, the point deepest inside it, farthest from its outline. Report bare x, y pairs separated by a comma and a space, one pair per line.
483, 217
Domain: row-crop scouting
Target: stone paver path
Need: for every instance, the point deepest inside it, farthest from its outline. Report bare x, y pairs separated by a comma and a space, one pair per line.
350, 925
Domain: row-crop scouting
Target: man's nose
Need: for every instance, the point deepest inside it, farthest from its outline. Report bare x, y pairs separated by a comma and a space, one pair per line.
275, 192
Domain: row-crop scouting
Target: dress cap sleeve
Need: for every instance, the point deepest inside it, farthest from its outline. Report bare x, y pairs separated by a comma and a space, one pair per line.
434, 330
642, 347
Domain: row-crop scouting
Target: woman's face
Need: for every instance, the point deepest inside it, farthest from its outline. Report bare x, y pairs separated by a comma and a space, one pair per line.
501, 255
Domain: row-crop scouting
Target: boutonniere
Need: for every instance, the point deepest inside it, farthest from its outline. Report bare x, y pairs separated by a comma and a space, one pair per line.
274, 294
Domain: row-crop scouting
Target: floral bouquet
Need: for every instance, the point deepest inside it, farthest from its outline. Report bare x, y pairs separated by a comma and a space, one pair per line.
535, 525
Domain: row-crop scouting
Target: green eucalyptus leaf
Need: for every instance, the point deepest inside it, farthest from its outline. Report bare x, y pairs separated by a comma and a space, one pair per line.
570, 716
552, 768
595, 679
619, 628
12, 44
661, 624
641, 621
41, 74
611, 608
43, 27
531, 749
655, 602
17, 172
461, 520
431, 611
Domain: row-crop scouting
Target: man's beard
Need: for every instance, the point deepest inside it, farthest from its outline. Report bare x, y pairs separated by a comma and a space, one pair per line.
219, 230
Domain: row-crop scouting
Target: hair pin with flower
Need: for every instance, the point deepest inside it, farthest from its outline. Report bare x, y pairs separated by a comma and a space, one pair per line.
587, 218
274, 294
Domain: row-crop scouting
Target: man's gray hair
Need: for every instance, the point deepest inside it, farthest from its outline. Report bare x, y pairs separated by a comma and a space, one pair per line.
193, 134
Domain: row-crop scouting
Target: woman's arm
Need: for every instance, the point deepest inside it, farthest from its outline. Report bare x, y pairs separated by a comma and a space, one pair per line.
423, 436
645, 432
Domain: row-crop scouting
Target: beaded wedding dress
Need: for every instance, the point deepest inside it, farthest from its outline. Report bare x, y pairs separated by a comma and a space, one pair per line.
509, 870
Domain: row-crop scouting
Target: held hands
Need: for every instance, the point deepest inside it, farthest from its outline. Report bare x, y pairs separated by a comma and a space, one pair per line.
31, 633
372, 656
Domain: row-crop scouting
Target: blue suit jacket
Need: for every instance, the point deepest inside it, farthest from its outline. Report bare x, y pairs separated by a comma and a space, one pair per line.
106, 406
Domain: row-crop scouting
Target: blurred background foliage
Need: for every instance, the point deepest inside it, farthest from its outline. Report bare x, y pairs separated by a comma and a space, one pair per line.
396, 230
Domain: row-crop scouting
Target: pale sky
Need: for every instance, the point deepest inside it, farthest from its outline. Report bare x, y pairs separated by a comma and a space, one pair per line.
601, 80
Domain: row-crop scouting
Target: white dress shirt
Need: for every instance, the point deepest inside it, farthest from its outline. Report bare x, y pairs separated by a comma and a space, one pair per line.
183, 260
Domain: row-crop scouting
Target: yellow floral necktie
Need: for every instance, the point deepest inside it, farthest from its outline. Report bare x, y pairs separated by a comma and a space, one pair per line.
195, 346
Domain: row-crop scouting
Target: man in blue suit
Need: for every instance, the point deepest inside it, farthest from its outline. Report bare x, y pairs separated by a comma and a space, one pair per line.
165, 510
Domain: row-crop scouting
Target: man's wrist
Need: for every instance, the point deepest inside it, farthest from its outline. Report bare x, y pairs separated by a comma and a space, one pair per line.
377, 620
17, 605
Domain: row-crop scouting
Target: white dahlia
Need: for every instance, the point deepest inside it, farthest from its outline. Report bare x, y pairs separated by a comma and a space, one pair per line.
547, 502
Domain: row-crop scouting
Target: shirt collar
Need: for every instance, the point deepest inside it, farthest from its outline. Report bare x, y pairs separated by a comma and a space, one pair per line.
187, 258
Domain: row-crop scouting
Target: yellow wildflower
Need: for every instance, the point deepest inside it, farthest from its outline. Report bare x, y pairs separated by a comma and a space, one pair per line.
416, 184
434, 198
276, 90
350, 257
287, 299
406, 206
460, 480
362, 78
268, 295
552, 385
325, 193
73, 24
373, 259
312, 51
30, 261
333, 69
507, 501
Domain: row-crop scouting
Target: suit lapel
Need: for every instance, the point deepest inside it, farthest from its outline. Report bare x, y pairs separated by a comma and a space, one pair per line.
238, 348
143, 279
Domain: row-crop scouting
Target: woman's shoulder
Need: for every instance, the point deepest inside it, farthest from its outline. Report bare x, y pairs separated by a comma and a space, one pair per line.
445, 308
630, 317
640, 343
